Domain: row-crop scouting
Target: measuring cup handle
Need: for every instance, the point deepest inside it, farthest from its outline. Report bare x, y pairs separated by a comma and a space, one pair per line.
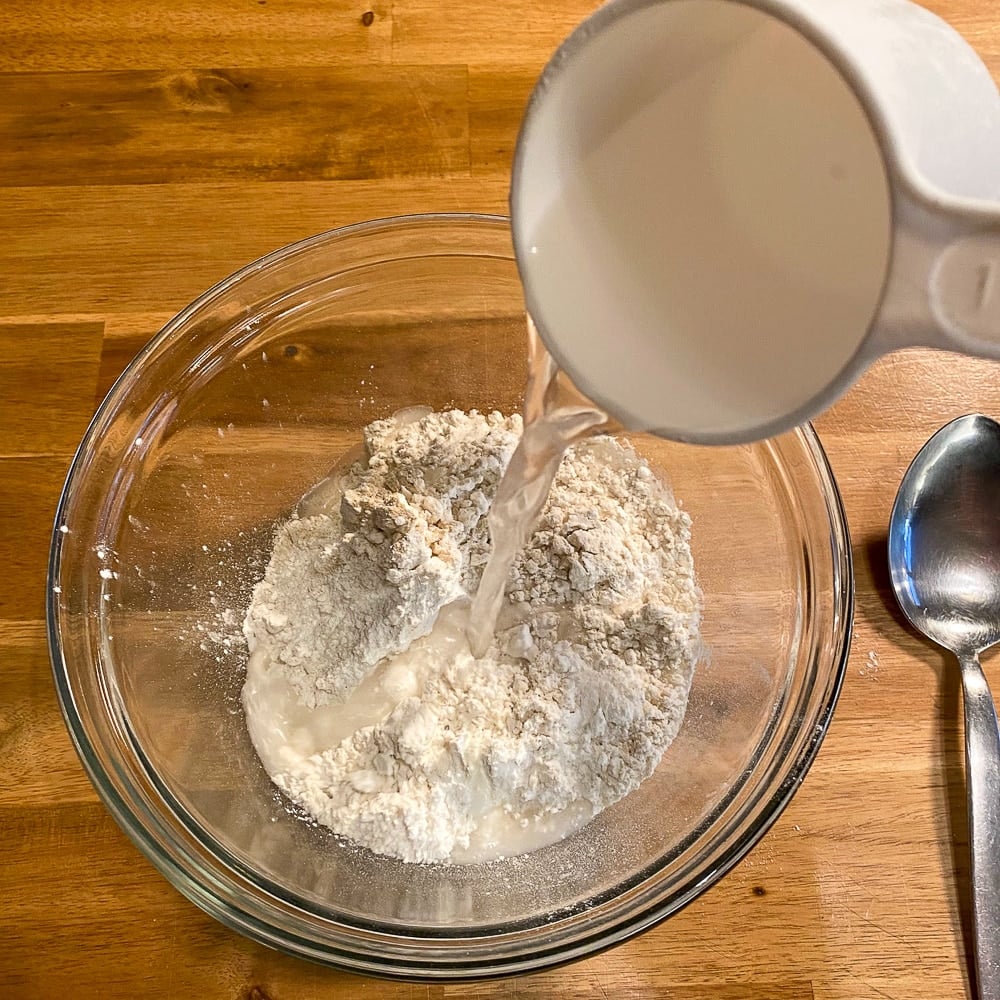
965, 293
964, 282
943, 285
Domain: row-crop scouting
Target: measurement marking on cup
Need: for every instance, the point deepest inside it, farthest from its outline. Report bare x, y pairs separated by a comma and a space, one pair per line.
984, 285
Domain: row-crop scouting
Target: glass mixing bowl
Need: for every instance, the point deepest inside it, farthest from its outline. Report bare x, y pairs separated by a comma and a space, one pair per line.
205, 444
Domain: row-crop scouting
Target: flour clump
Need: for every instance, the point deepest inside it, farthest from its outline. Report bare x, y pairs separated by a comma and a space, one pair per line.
353, 584
363, 698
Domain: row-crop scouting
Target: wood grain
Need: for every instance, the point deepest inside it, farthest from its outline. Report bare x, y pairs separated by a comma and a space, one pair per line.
173, 242
75, 35
29, 491
32, 730
149, 149
46, 411
497, 98
145, 127
521, 32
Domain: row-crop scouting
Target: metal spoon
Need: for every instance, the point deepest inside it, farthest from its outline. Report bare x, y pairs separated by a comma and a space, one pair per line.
944, 557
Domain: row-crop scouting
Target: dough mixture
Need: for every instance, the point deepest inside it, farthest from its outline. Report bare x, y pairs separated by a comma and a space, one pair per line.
362, 698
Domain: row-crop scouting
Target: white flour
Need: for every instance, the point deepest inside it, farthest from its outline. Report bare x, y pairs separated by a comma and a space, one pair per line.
365, 703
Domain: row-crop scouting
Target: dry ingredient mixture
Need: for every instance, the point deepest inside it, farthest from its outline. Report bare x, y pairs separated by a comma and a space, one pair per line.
363, 698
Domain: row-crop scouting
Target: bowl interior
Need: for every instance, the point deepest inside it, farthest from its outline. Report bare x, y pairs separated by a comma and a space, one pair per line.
206, 444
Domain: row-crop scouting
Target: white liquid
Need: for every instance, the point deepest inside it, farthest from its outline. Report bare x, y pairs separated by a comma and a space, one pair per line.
549, 429
704, 220
285, 734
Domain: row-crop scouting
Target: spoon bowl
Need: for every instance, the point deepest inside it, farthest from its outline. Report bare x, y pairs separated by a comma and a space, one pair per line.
944, 537
944, 559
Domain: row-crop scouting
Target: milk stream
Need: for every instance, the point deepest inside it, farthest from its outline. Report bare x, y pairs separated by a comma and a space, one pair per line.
289, 737
549, 430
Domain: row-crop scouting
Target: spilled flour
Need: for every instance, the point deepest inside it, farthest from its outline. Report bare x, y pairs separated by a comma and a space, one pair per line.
362, 697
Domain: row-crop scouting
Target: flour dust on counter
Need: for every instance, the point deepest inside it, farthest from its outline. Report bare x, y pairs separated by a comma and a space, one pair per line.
363, 697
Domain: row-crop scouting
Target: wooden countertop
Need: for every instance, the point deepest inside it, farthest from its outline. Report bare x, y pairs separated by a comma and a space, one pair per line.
147, 150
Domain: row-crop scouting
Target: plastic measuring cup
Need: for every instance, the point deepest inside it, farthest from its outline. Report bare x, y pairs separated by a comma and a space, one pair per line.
724, 210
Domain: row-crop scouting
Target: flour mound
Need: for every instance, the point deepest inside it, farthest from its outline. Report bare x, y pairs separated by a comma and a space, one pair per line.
578, 697
348, 588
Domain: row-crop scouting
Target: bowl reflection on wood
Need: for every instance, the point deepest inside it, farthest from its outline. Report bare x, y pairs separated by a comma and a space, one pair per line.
208, 441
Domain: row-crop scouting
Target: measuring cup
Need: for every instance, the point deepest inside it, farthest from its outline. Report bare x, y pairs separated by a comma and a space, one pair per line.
724, 210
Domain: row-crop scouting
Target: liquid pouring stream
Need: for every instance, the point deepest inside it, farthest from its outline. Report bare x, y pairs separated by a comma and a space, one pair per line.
550, 428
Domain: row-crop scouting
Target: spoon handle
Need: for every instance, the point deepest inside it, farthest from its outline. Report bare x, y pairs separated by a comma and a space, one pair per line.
982, 753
